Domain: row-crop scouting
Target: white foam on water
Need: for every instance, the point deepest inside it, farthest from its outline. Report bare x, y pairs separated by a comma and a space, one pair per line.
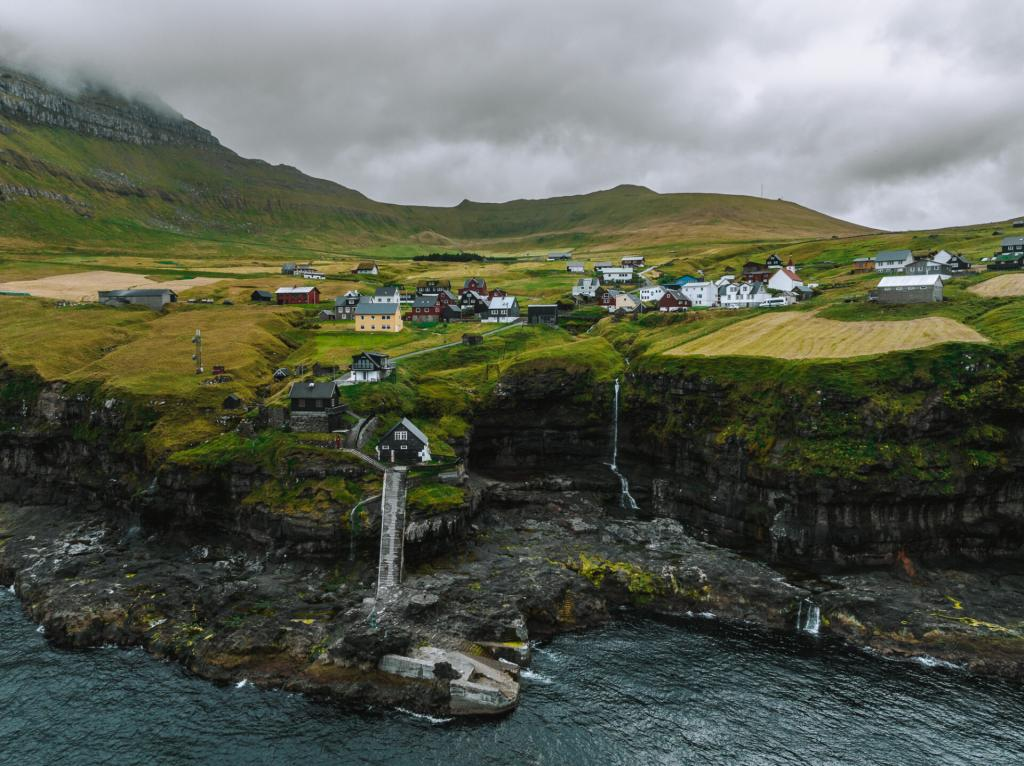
424, 717
242, 684
41, 630
535, 677
927, 661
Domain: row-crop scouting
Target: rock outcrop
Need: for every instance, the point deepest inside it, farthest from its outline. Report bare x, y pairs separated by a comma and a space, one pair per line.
96, 112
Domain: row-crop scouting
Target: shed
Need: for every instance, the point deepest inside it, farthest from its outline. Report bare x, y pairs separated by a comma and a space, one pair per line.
232, 402
542, 313
924, 288
472, 339
261, 296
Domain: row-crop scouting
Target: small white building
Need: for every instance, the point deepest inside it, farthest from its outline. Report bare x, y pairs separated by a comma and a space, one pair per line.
314, 275
651, 293
700, 294
633, 261
784, 280
575, 267
389, 294
893, 261
586, 287
616, 275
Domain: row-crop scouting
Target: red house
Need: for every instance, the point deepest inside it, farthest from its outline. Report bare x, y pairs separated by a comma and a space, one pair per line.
287, 296
607, 298
426, 308
496, 292
474, 284
673, 300
755, 272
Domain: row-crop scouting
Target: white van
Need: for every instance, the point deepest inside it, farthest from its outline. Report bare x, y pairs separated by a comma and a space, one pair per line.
772, 303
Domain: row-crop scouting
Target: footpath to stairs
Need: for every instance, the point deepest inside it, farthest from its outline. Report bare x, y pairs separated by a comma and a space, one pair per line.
365, 458
392, 533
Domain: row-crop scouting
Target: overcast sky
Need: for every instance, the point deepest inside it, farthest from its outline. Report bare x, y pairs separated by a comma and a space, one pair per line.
897, 114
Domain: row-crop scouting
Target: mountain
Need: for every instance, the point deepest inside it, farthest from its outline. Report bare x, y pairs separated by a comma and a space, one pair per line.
93, 168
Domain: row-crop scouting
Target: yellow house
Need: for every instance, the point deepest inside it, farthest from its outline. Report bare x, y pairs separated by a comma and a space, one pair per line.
378, 317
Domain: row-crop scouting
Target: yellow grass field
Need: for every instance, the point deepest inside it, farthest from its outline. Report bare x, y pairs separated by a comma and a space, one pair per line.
1003, 286
84, 285
798, 335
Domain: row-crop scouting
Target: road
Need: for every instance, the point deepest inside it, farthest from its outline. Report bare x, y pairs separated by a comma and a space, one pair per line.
501, 328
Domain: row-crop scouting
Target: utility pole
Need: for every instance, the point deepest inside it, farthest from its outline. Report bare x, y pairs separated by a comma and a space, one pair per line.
197, 357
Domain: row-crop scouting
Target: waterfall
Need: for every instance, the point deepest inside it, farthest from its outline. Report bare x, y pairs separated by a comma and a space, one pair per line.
627, 500
808, 617
352, 524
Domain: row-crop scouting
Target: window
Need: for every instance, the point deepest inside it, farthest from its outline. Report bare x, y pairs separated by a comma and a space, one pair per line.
319, 404
401, 436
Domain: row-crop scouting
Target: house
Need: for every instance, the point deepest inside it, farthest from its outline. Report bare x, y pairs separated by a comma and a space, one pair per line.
496, 292
367, 267
231, 402
370, 367
433, 286
287, 296
586, 288
154, 299
784, 280
503, 309
404, 444
925, 288
651, 293
388, 294
542, 313
724, 280
1018, 224
633, 261
702, 294
802, 292
742, 295
1010, 245
674, 300
472, 303
455, 313
314, 407
927, 266
562, 255
755, 272
313, 275
426, 308
616, 274
862, 265
575, 267
371, 316
474, 284
893, 261
601, 265
345, 306
773, 262
957, 263
607, 299
261, 296
327, 315
288, 268
624, 302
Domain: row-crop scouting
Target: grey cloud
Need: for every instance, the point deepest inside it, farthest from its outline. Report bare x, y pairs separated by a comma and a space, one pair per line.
895, 114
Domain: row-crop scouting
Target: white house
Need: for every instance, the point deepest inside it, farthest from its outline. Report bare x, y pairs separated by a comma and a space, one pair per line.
575, 267
633, 261
651, 293
616, 274
389, 294
586, 287
313, 275
723, 280
893, 261
700, 293
743, 295
503, 309
784, 280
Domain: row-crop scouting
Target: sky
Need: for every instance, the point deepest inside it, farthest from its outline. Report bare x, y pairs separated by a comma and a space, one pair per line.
897, 114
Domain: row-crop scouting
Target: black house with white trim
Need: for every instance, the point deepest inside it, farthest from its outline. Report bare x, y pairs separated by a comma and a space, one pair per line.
404, 444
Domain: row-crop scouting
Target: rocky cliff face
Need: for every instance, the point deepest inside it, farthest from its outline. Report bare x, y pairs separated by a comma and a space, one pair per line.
95, 113
819, 477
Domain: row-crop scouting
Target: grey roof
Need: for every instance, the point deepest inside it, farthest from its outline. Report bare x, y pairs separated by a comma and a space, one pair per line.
263, 293
425, 301
140, 293
1008, 241
384, 292
412, 429
893, 255
366, 308
542, 308
313, 390
376, 358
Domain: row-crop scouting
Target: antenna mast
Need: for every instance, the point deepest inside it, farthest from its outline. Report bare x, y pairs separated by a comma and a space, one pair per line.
197, 357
